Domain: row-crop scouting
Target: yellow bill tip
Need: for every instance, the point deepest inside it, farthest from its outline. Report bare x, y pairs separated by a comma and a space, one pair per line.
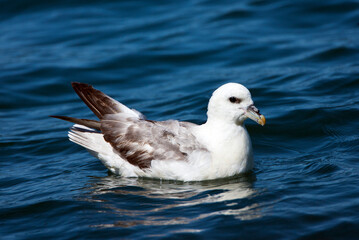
262, 120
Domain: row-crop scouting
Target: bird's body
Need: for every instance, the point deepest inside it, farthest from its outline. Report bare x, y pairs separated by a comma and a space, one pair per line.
132, 146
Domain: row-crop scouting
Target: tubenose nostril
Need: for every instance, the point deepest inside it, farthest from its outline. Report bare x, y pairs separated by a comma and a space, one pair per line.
254, 109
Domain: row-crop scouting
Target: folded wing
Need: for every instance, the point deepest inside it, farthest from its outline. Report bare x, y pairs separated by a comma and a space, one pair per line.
135, 139
141, 141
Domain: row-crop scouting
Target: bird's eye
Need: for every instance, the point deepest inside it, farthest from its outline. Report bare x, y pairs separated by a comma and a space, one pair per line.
234, 100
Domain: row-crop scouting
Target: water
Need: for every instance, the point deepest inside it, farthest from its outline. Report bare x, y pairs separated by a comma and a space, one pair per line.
298, 58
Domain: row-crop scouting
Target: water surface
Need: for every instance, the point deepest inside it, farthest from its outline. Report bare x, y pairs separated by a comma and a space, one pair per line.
298, 58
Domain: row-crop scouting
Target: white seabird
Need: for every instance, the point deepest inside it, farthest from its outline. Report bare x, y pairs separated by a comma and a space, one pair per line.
131, 146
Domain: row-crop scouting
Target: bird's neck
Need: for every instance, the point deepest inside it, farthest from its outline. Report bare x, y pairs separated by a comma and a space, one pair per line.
221, 133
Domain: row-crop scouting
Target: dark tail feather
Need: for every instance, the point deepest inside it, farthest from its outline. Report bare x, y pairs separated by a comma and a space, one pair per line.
85, 122
99, 103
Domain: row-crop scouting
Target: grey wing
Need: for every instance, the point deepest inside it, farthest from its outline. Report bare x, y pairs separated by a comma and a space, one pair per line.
137, 140
142, 141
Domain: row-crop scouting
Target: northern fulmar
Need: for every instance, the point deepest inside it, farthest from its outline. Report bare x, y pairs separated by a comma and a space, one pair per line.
131, 146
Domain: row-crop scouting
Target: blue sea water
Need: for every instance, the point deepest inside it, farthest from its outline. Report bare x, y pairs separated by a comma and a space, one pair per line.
300, 60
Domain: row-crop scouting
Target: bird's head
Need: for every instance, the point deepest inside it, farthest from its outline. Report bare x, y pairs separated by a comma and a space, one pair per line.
232, 102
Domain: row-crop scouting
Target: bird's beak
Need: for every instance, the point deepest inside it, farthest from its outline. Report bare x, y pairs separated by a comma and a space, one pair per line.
253, 113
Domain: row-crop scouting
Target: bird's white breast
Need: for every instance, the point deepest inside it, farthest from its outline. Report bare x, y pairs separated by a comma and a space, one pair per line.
230, 147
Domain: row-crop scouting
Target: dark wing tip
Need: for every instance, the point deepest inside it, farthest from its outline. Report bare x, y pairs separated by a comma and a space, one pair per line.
59, 117
62, 117
85, 122
78, 85
99, 103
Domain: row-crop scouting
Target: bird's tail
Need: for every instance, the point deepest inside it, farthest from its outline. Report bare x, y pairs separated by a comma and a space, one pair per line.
90, 139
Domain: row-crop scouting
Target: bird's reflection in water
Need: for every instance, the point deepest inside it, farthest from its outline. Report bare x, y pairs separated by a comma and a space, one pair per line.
155, 202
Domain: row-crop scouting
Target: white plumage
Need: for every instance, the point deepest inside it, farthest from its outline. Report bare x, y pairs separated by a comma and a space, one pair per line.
131, 146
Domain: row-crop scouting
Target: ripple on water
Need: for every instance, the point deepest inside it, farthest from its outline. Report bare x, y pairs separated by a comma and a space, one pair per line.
298, 58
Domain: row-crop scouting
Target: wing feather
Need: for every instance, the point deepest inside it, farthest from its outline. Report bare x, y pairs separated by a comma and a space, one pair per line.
100, 103
141, 141
135, 139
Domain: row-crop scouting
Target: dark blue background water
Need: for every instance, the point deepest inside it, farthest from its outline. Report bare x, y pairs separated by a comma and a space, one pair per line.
300, 59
